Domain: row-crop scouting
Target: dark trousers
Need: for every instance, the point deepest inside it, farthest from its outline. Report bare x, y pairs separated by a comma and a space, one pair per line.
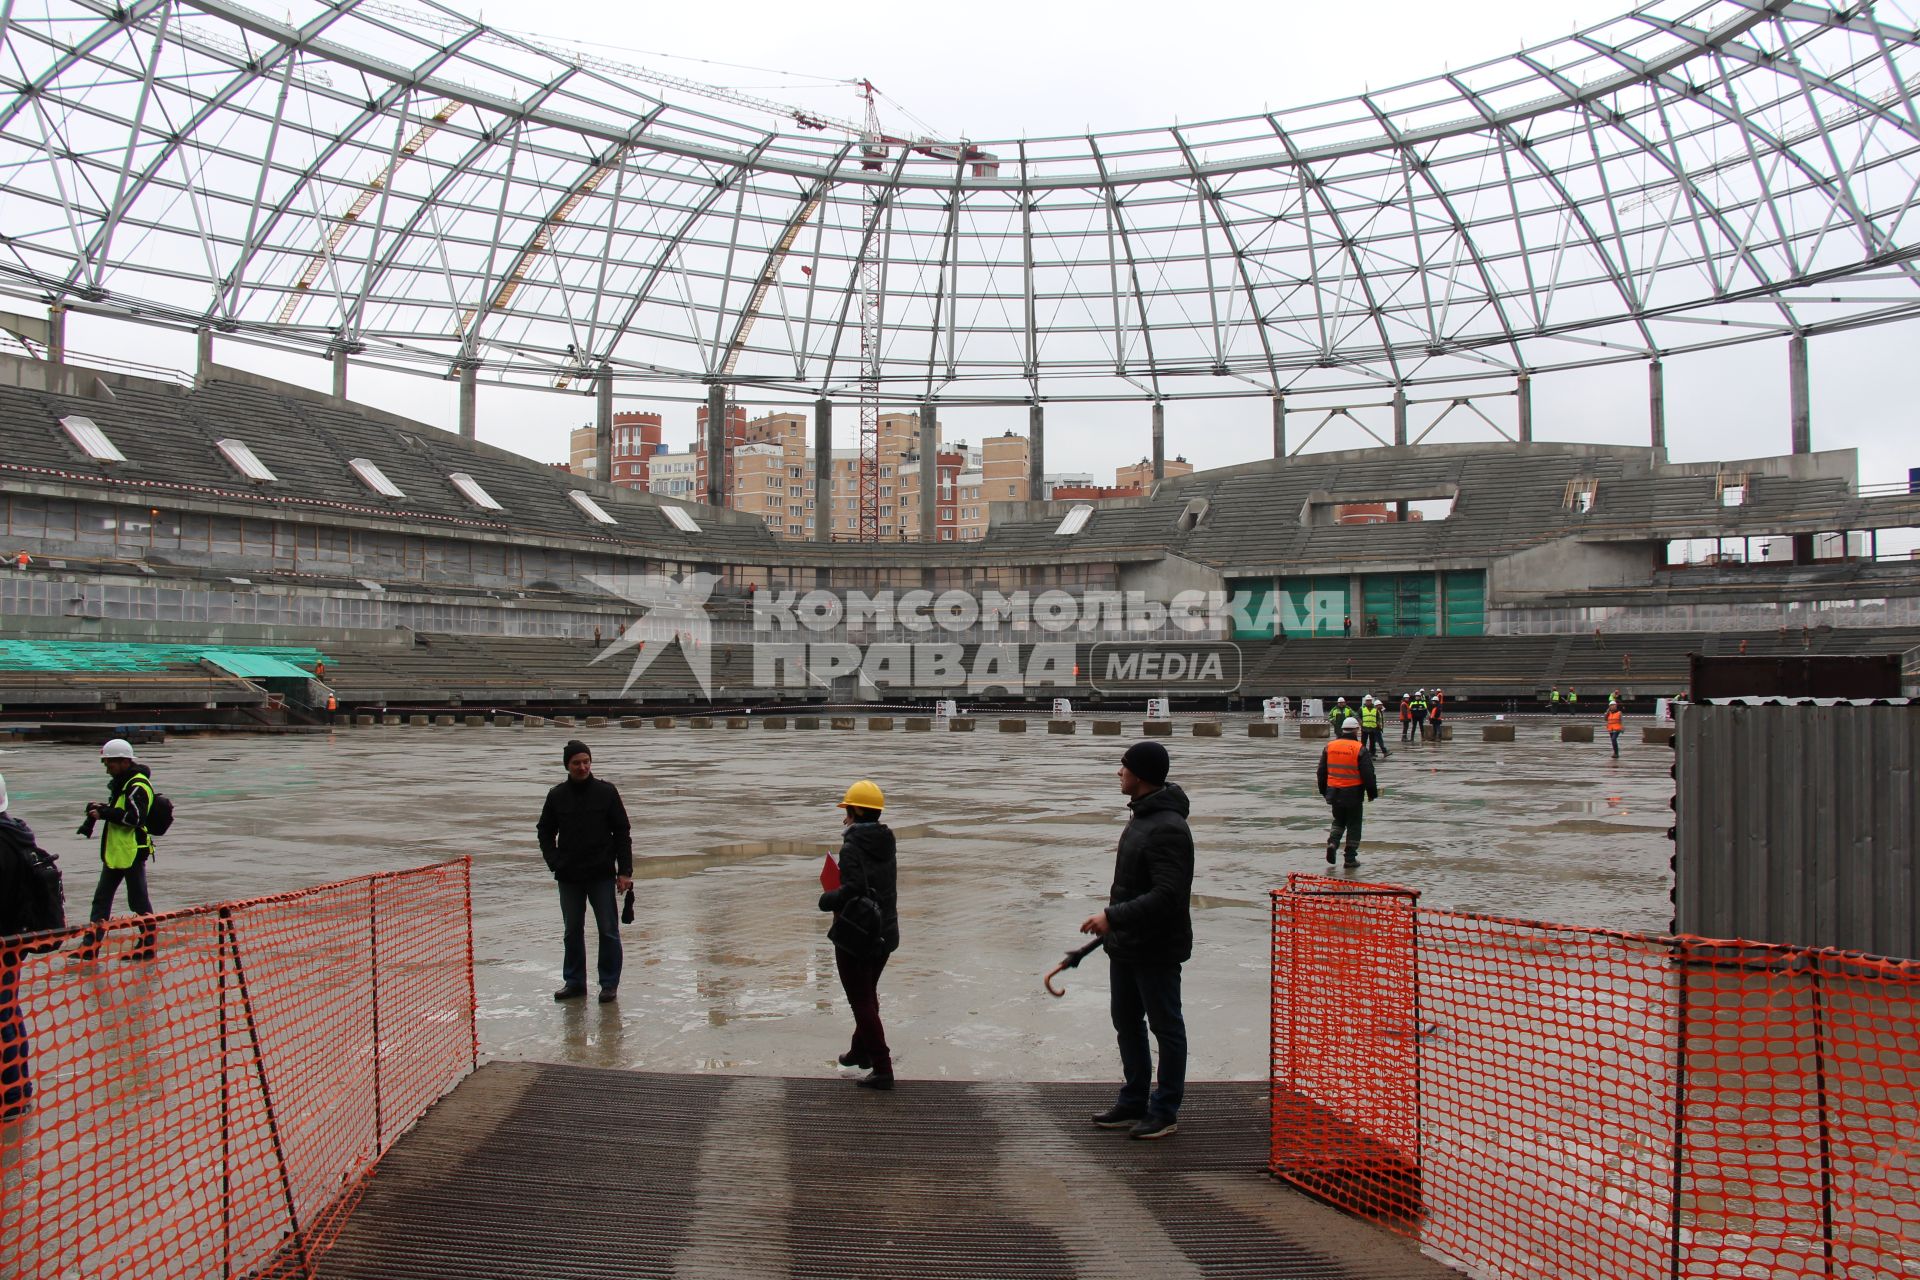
1376, 741
1146, 997
860, 979
606, 920
1615, 735
1346, 823
111, 878
1406, 729
1433, 726
16, 1078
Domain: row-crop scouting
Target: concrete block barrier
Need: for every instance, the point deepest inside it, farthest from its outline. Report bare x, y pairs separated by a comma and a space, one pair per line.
533, 722
476, 722
739, 722
1061, 726
699, 722
364, 720
663, 722
806, 722
1576, 733
880, 724
1263, 729
1660, 735
1013, 726
565, 722
443, 721
419, 722
1496, 733
773, 722
1106, 728
392, 719
632, 722
919, 724
960, 724
1315, 729
1206, 728
596, 722
842, 722
1156, 728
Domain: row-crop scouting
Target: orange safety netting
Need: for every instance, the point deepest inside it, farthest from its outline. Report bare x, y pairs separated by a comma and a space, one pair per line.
1551, 1103
214, 1111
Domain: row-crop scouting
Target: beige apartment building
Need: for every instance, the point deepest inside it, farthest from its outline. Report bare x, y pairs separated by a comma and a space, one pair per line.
1139, 475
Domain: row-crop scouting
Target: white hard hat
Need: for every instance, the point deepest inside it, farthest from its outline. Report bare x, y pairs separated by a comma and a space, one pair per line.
117, 749
1349, 723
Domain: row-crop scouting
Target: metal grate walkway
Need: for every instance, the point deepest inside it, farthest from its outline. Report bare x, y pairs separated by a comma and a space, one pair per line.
567, 1172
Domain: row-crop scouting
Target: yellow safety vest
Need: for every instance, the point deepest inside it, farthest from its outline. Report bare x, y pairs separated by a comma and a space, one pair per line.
1369, 717
122, 845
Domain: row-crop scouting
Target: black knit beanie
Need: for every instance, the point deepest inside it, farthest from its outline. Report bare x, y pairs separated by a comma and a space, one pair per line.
575, 747
1147, 761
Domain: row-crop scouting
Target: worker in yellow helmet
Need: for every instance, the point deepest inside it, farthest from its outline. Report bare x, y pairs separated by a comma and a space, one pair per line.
866, 926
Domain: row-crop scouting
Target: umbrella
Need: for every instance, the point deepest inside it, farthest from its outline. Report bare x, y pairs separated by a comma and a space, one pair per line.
1072, 960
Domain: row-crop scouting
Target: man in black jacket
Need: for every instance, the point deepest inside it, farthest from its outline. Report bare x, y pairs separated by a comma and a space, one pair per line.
16, 898
588, 844
866, 926
1147, 932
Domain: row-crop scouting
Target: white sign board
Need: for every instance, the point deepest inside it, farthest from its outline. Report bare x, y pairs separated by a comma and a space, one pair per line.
1311, 709
1273, 709
1663, 710
1062, 709
946, 708
1159, 709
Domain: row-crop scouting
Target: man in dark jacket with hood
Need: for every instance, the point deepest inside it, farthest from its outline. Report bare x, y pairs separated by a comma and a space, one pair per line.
588, 844
17, 899
866, 926
1147, 931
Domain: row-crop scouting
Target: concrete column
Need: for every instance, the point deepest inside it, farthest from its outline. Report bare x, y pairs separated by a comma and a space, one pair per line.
469, 400
1279, 426
823, 470
56, 334
603, 425
1400, 417
1799, 395
1657, 403
1159, 441
716, 446
1524, 390
339, 360
203, 351
1036, 451
929, 473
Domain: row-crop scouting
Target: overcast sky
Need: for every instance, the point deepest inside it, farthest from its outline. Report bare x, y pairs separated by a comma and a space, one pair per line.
999, 69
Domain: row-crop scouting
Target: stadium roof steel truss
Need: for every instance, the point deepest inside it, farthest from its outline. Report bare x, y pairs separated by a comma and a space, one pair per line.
392, 178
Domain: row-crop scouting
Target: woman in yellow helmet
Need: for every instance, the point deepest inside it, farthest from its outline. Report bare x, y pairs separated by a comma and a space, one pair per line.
866, 926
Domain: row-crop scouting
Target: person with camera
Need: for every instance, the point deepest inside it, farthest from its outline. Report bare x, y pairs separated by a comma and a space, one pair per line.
866, 926
126, 846
587, 841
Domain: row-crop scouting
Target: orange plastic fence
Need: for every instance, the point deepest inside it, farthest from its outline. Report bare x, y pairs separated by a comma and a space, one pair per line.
1543, 1102
214, 1111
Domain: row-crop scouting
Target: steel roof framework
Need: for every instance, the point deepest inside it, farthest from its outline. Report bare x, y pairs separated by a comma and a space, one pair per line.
390, 177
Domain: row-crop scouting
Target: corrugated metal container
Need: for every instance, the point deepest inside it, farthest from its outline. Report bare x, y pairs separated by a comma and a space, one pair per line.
1799, 825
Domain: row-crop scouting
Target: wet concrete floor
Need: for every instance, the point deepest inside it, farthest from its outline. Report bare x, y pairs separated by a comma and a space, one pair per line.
1006, 845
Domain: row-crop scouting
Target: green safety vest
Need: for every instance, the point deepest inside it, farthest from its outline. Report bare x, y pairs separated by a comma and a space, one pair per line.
1553, 695
1572, 697
1369, 717
1339, 714
122, 845
1419, 705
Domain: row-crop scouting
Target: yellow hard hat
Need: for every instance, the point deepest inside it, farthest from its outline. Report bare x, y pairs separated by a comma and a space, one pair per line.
863, 795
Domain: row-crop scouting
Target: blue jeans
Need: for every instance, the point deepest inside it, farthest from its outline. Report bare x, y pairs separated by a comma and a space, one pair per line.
606, 920
1148, 996
16, 1080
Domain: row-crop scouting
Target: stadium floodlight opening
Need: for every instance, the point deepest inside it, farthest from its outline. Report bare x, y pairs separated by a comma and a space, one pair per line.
593, 509
1075, 521
245, 461
1688, 175
90, 439
679, 519
471, 490
374, 478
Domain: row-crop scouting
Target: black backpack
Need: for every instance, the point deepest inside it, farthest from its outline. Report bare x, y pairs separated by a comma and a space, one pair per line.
46, 898
159, 815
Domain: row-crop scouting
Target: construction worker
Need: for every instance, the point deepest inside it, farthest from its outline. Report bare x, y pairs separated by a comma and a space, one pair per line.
1553, 700
1420, 707
1340, 713
1346, 782
1433, 716
1370, 735
1614, 720
1406, 717
1573, 701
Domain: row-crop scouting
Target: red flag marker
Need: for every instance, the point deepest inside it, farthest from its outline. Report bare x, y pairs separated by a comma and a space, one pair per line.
830, 874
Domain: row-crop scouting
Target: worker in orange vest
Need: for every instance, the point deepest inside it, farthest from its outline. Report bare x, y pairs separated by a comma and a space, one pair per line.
1406, 717
1346, 782
1614, 722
